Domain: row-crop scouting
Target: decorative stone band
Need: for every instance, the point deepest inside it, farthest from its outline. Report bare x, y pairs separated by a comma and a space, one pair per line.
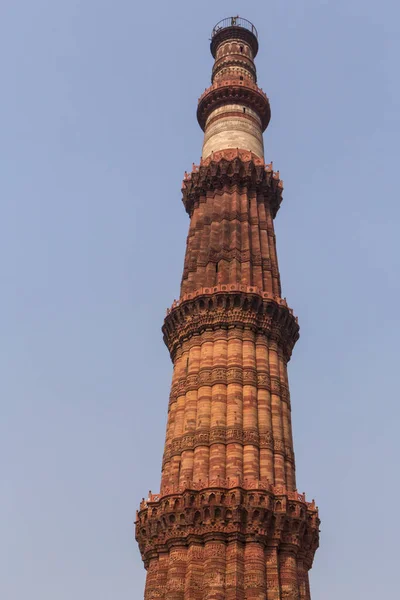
261, 379
242, 256
272, 515
232, 167
228, 308
234, 32
234, 62
233, 91
227, 435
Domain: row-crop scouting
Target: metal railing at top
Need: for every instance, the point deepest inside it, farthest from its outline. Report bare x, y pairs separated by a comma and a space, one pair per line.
234, 22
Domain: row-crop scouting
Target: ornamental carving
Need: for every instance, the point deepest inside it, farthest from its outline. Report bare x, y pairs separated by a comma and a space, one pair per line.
228, 435
233, 91
229, 309
219, 172
196, 514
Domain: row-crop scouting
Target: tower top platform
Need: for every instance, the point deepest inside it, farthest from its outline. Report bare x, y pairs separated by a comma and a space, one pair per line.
234, 28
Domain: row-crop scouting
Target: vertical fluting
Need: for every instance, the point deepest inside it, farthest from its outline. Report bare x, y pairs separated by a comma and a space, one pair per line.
273, 582
231, 240
235, 239
276, 408
287, 425
276, 286
214, 570
234, 571
218, 412
171, 464
162, 575
179, 417
302, 577
288, 573
225, 251
202, 449
166, 469
235, 413
176, 573
265, 254
196, 258
194, 572
234, 422
151, 579
251, 466
264, 411
257, 275
255, 571
189, 424
246, 278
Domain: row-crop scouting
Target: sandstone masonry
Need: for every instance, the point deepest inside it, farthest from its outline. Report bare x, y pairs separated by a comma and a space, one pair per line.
228, 522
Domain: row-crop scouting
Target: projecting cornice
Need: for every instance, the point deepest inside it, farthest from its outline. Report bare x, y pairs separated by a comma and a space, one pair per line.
234, 91
229, 306
228, 511
228, 168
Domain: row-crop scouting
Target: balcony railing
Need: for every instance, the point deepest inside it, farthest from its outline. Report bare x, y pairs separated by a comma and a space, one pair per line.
234, 22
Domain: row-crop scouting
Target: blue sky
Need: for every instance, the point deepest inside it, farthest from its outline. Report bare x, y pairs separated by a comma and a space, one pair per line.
98, 126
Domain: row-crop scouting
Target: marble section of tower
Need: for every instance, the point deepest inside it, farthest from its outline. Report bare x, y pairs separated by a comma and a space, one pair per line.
228, 522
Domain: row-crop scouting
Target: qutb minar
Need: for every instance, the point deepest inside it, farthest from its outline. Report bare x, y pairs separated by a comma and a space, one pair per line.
228, 522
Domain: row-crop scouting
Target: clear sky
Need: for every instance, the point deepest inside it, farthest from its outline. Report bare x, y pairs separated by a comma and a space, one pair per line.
97, 121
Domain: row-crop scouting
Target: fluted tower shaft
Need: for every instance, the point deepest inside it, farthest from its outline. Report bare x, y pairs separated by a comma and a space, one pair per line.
228, 523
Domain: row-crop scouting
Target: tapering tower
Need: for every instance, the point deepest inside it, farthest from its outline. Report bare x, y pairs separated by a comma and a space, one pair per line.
228, 523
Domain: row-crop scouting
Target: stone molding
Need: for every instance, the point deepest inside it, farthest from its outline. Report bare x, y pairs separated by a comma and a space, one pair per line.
210, 376
234, 90
228, 308
227, 435
234, 61
266, 514
232, 167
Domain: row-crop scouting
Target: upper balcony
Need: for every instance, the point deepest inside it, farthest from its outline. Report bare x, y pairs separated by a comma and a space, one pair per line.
234, 27
234, 22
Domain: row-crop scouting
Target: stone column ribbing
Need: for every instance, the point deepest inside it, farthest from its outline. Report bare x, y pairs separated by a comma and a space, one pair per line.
264, 411
273, 583
288, 573
234, 406
176, 573
194, 572
189, 423
234, 589
251, 454
218, 413
214, 569
201, 462
255, 571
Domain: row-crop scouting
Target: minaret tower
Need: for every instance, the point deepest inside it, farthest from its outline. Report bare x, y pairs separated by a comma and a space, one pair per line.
228, 523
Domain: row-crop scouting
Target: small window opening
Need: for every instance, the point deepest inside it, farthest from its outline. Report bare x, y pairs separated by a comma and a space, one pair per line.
241, 48
244, 109
241, 78
216, 267
187, 364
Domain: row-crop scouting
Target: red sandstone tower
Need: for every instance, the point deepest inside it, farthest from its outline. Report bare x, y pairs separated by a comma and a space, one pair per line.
228, 523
